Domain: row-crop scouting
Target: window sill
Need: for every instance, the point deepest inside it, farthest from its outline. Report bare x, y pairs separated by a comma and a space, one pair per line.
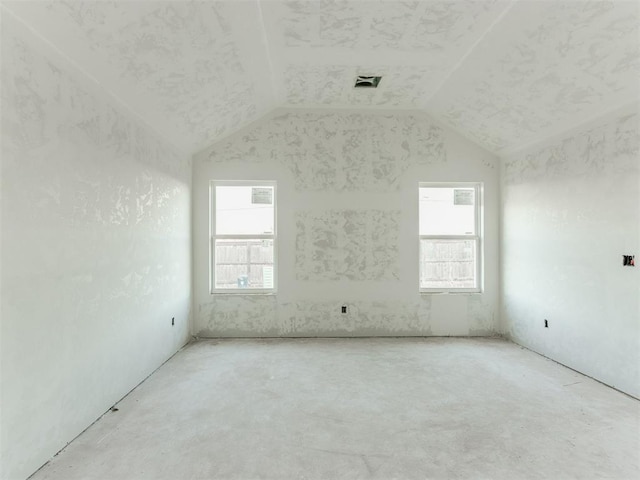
243, 293
471, 292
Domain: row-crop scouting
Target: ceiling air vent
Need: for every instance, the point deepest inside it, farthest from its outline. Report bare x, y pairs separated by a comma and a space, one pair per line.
367, 82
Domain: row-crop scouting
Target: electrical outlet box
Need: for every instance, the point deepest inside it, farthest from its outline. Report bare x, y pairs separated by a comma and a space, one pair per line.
629, 260
344, 309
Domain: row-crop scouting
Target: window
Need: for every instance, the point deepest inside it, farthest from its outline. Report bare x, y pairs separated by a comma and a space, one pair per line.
449, 228
243, 237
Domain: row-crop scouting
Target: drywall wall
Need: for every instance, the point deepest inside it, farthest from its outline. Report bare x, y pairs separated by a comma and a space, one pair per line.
571, 209
347, 187
95, 251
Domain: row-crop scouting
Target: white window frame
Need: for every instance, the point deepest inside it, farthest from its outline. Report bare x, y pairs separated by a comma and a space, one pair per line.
213, 236
477, 237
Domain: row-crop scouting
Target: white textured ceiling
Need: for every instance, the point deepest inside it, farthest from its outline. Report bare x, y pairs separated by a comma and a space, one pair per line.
503, 73
190, 69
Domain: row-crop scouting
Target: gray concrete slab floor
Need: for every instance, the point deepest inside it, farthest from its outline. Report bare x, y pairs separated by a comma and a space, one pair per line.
360, 408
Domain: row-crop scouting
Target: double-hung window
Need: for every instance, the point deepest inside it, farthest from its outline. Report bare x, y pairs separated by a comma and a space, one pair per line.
450, 241
243, 237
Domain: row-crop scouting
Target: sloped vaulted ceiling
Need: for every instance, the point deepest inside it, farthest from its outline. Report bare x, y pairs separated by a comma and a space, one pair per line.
503, 73
194, 71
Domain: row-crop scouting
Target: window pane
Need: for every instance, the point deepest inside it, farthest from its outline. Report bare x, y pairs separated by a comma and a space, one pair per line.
447, 263
244, 263
244, 210
447, 211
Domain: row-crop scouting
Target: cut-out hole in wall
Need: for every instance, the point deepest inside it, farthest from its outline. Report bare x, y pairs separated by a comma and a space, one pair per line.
367, 81
628, 260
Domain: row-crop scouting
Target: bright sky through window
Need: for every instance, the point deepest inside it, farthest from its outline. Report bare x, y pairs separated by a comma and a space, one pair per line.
238, 210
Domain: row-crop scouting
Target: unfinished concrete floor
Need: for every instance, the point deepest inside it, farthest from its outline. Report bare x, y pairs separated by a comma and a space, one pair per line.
360, 408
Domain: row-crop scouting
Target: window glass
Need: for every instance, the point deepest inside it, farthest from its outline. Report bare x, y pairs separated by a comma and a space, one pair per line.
448, 224
246, 263
244, 210
447, 211
243, 243
447, 264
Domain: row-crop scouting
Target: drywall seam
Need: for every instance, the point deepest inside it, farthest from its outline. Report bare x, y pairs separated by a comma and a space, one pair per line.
625, 107
267, 48
471, 49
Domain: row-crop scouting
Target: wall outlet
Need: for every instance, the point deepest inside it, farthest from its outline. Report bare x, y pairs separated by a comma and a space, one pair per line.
344, 309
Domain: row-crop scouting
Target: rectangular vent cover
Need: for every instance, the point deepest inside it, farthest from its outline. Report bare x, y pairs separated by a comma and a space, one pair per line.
367, 82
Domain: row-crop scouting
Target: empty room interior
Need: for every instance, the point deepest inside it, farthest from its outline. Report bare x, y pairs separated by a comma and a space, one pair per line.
320, 239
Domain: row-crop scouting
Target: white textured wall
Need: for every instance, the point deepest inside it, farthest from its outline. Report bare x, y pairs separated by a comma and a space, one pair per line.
95, 252
571, 210
347, 226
